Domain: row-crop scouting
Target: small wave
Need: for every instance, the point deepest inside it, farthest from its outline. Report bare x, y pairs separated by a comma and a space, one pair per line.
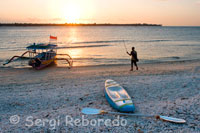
86, 46
2, 60
1, 66
13, 48
189, 45
99, 59
83, 58
112, 41
3, 48
175, 57
155, 41
18, 49
172, 57
13, 42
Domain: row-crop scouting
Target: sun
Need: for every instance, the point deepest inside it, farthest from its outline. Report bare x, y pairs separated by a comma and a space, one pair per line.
72, 13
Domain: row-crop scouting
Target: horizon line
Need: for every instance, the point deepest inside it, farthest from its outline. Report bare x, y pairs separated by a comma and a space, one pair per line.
90, 24
78, 24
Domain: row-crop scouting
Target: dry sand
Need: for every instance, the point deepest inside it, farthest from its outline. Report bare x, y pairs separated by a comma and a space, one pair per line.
171, 89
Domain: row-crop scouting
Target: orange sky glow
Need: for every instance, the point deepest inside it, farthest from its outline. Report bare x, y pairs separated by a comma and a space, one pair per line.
166, 12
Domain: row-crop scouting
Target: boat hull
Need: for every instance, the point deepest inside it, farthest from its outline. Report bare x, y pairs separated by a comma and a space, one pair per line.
43, 64
117, 97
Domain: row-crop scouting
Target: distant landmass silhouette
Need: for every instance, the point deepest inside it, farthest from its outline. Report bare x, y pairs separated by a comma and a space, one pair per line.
75, 24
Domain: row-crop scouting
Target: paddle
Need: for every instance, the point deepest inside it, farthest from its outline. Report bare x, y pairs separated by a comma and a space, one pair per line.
93, 111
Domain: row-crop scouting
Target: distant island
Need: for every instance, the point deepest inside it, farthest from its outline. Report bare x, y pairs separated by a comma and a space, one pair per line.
74, 24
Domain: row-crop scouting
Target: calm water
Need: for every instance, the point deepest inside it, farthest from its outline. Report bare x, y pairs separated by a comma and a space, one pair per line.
153, 44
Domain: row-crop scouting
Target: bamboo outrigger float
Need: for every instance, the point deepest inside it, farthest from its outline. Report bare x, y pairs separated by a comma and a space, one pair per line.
42, 55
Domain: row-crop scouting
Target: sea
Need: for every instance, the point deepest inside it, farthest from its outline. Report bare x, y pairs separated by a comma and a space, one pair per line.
104, 45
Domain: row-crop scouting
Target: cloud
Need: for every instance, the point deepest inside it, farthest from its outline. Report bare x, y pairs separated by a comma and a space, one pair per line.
44, 20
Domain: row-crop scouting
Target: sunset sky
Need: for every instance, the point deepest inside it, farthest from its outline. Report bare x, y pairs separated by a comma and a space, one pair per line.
166, 12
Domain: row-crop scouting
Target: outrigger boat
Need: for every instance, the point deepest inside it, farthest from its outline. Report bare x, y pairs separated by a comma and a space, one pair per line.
42, 55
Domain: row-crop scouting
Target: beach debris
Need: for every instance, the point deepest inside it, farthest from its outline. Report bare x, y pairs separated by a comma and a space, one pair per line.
86, 94
17, 104
184, 85
90, 103
184, 98
47, 115
66, 99
140, 131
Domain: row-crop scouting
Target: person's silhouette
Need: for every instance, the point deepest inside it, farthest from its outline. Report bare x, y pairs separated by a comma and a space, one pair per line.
134, 58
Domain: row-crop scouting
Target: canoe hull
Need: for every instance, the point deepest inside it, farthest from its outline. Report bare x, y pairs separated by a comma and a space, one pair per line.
122, 104
126, 108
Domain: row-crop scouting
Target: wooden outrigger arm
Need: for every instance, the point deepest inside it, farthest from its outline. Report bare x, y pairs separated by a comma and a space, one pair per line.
22, 56
69, 61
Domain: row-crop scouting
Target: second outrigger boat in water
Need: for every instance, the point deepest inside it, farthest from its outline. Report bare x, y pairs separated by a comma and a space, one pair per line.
42, 55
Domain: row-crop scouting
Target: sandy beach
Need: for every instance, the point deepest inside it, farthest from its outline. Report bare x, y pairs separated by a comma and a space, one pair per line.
170, 89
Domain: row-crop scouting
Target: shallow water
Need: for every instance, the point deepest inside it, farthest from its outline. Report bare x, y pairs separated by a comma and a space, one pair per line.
103, 45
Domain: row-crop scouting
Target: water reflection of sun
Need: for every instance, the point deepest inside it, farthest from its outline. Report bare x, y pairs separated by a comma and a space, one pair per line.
73, 35
75, 53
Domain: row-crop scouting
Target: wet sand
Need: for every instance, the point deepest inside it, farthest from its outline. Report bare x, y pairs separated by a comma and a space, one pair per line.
170, 89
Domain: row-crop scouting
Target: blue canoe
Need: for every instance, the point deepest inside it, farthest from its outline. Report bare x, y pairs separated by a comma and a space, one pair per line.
117, 97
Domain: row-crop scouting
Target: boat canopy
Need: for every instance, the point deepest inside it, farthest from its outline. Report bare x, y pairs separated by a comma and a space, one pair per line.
42, 46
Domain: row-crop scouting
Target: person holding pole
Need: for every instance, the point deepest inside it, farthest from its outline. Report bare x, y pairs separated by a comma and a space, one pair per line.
134, 58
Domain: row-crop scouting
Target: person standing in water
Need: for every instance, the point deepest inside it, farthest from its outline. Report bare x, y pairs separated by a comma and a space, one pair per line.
134, 58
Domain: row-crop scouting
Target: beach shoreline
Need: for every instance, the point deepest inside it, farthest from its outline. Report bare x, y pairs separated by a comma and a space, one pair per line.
169, 88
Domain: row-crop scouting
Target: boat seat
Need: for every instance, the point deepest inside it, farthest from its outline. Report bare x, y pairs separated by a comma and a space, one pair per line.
118, 93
